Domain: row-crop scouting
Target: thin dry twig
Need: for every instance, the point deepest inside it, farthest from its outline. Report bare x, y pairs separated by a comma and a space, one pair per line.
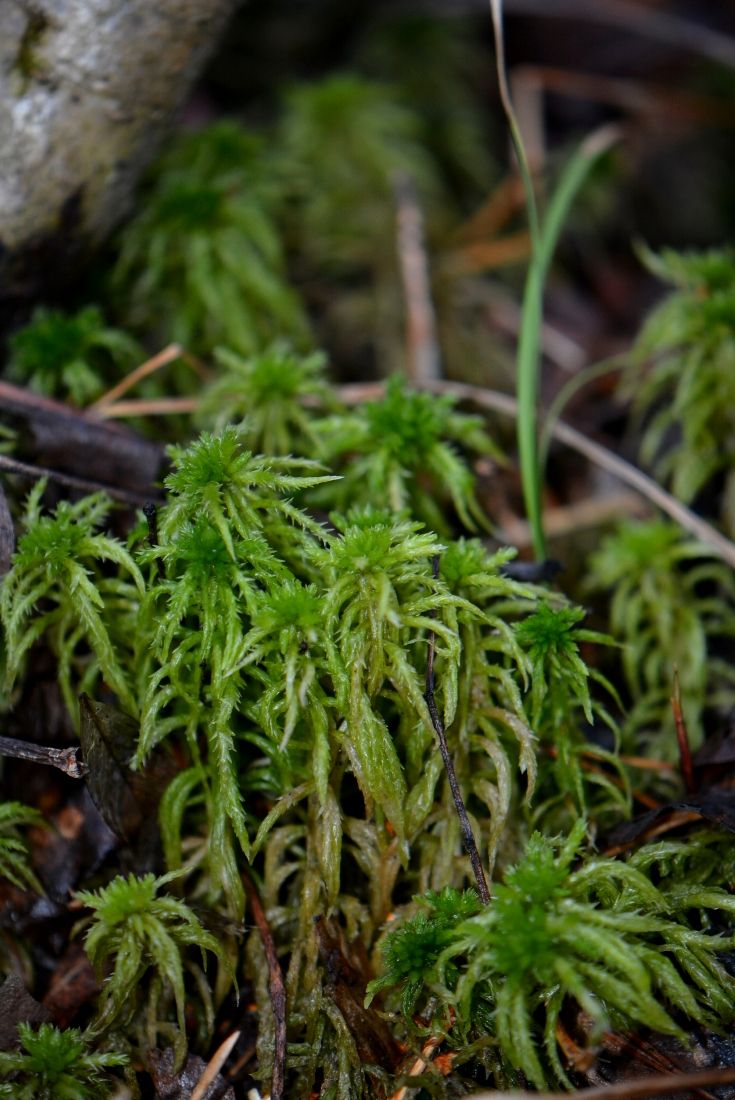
277, 989
480, 256
483, 398
66, 760
626, 1090
162, 359
419, 1065
648, 488
73, 441
423, 360
672, 821
645, 763
145, 406
503, 202
590, 512
504, 315
436, 720
601, 456
168, 354
247, 1055
215, 1064
582, 1059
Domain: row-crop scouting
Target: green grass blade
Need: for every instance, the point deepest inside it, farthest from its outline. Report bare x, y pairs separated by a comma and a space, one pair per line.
572, 178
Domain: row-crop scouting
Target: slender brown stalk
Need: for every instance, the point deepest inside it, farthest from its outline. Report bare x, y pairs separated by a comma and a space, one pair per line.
277, 988
147, 406
66, 760
108, 402
215, 1064
419, 1065
162, 359
436, 720
641, 1089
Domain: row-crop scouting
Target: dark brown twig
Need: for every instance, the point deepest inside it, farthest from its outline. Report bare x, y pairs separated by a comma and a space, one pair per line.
13, 466
66, 760
277, 989
436, 721
70, 440
169, 355
682, 736
627, 1090
151, 517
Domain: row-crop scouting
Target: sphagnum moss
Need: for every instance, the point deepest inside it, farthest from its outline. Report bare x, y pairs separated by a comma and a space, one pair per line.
602, 935
71, 356
139, 929
682, 365
405, 450
283, 657
203, 262
670, 601
60, 566
57, 1065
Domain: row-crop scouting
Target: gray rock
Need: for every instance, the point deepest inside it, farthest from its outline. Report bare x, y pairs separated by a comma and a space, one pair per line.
88, 89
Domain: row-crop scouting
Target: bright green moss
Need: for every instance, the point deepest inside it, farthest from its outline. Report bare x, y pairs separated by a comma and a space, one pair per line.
670, 601
71, 356
57, 1065
404, 450
141, 930
602, 935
